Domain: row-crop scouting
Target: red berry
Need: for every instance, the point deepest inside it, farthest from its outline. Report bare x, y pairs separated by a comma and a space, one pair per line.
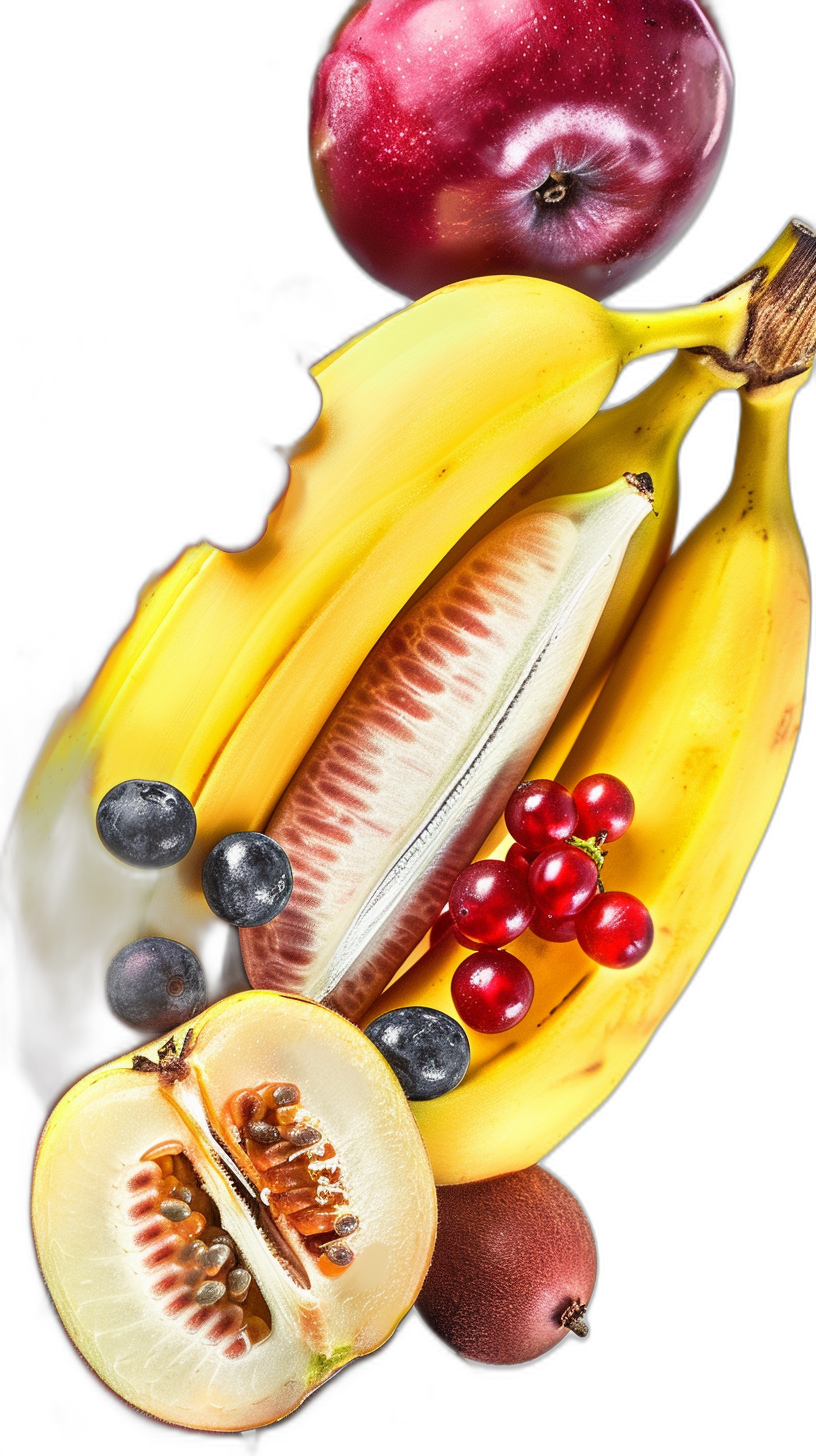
540, 813
563, 881
547, 927
441, 926
616, 930
490, 903
492, 991
520, 859
463, 940
604, 805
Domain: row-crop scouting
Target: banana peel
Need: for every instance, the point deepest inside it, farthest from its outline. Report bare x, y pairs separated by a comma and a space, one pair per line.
699, 718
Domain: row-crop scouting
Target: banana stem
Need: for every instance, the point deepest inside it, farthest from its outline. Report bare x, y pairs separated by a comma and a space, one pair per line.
764, 326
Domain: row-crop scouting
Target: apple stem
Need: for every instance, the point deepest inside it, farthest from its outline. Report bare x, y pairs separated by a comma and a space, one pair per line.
553, 189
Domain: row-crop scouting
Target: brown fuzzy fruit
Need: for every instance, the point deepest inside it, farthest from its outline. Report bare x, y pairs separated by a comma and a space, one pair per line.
513, 1269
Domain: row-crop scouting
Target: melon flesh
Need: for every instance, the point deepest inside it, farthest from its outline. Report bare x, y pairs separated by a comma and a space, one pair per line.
87, 1236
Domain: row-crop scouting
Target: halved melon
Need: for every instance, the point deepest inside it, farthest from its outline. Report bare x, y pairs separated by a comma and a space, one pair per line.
227, 1217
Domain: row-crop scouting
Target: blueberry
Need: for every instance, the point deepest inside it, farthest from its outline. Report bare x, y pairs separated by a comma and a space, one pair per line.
428, 1051
155, 984
247, 879
146, 823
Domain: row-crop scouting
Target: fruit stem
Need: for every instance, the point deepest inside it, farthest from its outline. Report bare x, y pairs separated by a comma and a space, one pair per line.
592, 848
763, 326
573, 1319
780, 342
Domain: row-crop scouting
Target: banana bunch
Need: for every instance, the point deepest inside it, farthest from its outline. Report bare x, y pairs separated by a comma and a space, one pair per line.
699, 718
233, 662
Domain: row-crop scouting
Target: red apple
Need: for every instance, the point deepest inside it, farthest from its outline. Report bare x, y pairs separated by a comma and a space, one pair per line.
569, 139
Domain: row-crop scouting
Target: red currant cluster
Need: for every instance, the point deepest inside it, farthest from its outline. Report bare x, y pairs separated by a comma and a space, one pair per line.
550, 883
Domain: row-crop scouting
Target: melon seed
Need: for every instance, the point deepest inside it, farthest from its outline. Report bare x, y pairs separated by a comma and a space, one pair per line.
211, 1291
175, 1209
238, 1282
264, 1133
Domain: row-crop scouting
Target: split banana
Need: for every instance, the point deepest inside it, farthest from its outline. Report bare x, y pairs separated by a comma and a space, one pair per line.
699, 718
399, 789
233, 662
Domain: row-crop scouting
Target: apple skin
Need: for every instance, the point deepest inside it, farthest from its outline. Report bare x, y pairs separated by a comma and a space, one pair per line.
437, 125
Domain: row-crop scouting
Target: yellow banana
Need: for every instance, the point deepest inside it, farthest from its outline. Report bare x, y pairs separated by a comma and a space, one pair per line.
233, 662
699, 717
644, 434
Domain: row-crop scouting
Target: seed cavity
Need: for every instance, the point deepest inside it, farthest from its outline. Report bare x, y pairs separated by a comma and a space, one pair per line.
298, 1176
190, 1263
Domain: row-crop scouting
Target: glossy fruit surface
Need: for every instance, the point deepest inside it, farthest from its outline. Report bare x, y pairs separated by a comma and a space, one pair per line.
490, 903
539, 814
616, 930
427, 1051
552, 927
155, 984
519, 859
247, 879
563, 881
564, 139
146, 823
513, 1269
492, 991
605, 806
197, 1254
441, 926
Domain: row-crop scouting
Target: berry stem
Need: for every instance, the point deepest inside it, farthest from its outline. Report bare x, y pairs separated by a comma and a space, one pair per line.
592, 848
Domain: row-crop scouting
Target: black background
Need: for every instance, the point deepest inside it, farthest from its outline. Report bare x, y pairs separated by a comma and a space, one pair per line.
156, 184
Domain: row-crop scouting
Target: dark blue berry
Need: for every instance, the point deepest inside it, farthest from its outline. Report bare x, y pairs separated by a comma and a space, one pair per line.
428, 1051
146, 823
247, 879
155, 984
